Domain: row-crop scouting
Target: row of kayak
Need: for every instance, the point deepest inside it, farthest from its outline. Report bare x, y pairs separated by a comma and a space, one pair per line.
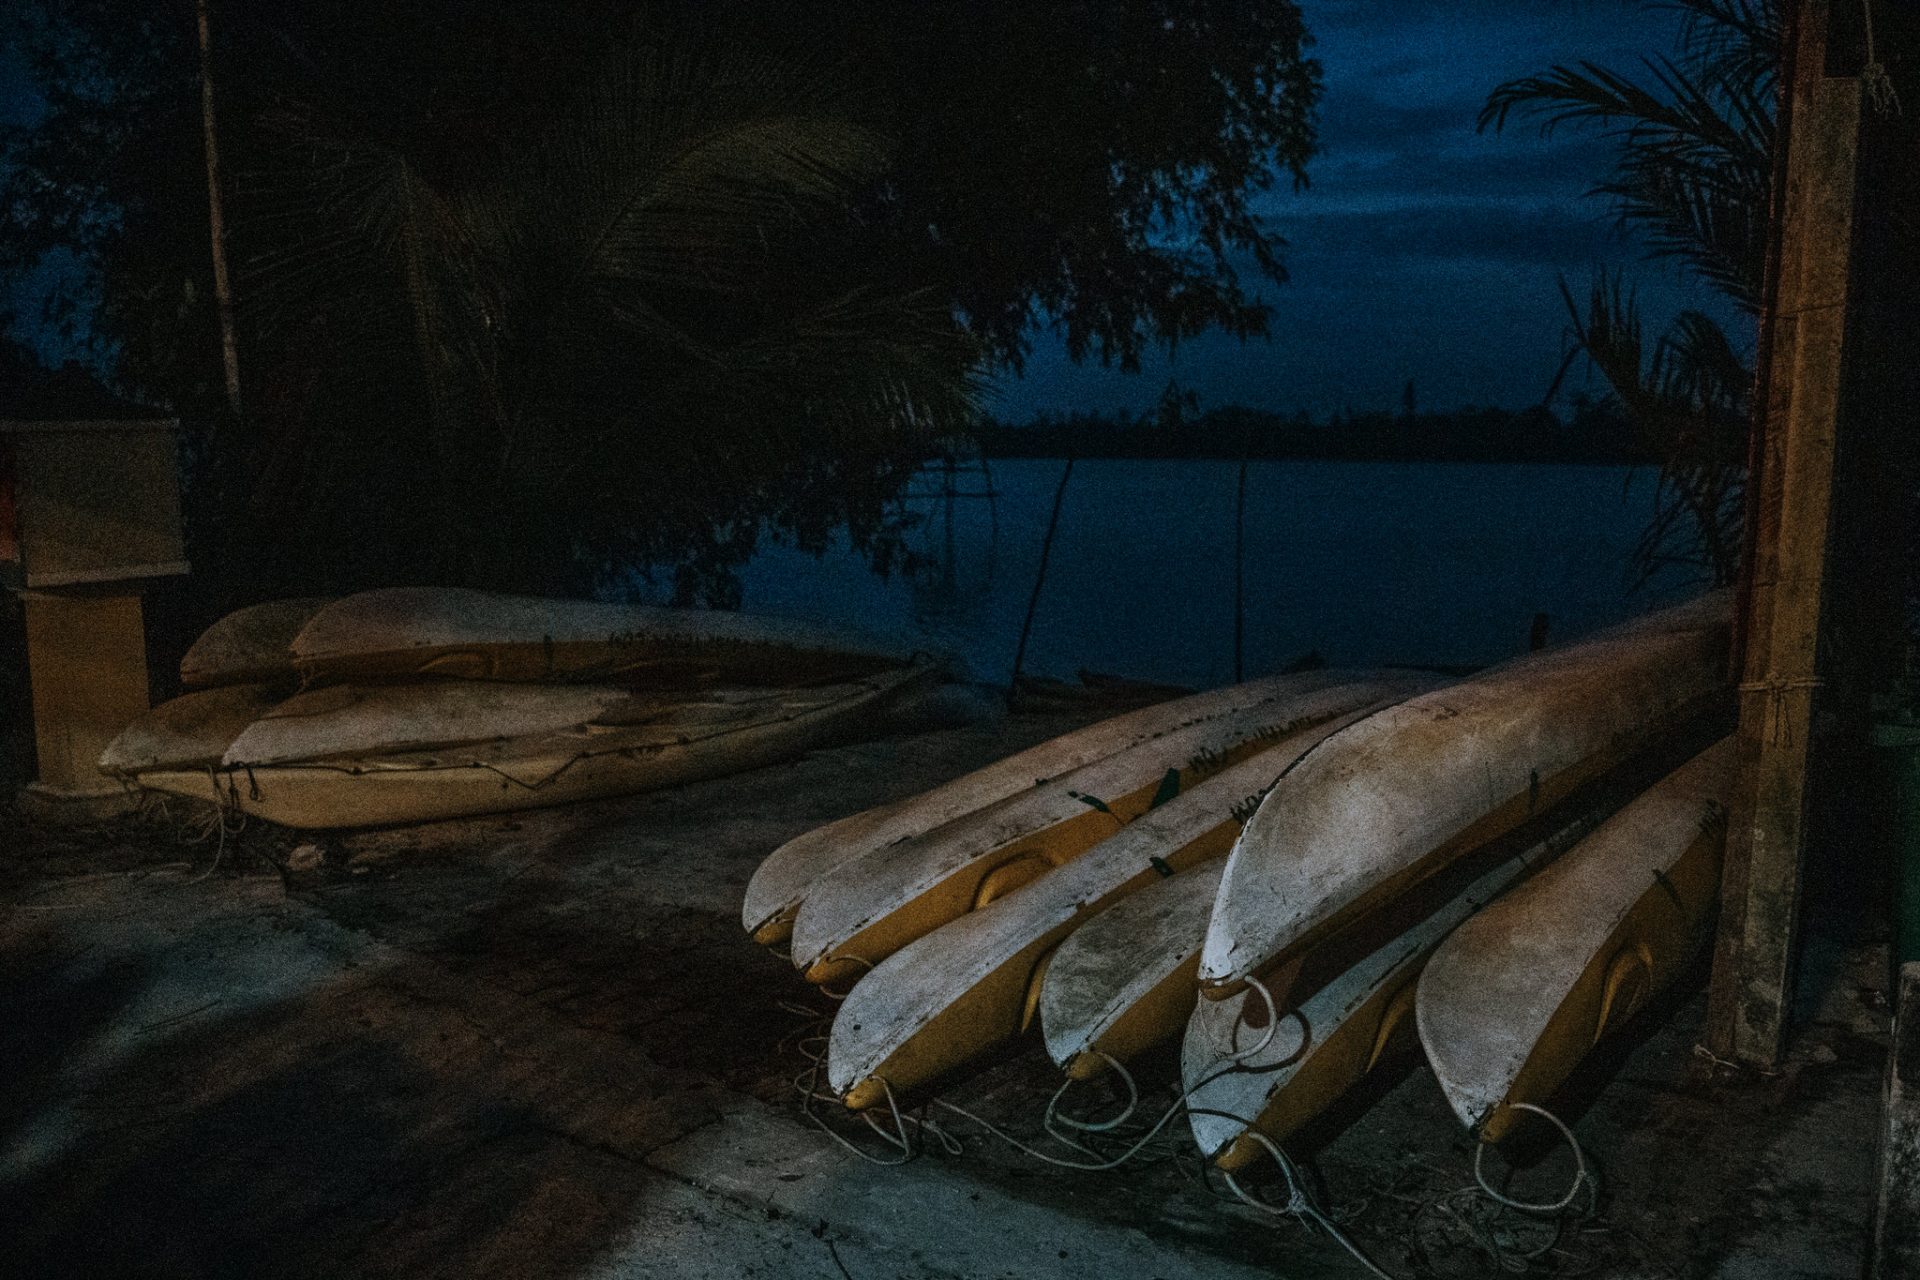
416, 704
1297, 875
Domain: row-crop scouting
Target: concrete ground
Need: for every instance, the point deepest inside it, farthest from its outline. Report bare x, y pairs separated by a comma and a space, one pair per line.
540, 1046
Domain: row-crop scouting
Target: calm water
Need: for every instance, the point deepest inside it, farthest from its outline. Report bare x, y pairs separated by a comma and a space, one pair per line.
1360, 562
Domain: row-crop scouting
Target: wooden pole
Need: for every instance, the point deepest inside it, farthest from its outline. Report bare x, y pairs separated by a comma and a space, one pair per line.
1780, 674
1240, 574
222, 285
1040, 578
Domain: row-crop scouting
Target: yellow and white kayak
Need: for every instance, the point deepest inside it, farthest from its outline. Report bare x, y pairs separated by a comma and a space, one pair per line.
971, 984
1513, 1000
1324, 1045
478, 635
351, 720
192, 731
1400, 796
775, 892
250, 645
1126, 980
868, 908
721, 731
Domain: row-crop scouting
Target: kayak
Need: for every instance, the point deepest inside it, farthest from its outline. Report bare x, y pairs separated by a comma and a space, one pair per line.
349, 720
1126, 980
722, 731
478, 635
972, 984
1400, 796
868, 908
249, 645
775, 892
1322, 1047
192, 731
1516, 997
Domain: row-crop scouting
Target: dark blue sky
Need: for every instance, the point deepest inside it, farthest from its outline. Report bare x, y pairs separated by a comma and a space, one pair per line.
1421, 250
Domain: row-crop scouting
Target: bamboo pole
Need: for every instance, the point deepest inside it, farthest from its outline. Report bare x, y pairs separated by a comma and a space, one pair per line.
1780, 673
1040, 578
222, 285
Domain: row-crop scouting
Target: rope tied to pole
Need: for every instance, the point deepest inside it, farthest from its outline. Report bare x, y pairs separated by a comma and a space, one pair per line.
1778, 731
1874, 80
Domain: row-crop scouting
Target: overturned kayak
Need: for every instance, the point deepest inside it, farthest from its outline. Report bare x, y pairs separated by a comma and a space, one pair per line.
249, 645
1125, 981
1514, 999
1402, 795
192, 731
477, 635
351, 720
970, 985
782, 880
1326, 1044
866, 909
720, 732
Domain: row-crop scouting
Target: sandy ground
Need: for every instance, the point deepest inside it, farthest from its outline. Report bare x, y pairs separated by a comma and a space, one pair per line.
540, 1046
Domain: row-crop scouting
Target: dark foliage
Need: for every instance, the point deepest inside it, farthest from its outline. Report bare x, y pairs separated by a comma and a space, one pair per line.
1695, 142
528, 292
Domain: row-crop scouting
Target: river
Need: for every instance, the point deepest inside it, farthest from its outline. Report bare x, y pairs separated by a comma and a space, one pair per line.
1360, 563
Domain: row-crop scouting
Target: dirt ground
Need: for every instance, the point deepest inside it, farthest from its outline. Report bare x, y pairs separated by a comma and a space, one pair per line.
540, 1046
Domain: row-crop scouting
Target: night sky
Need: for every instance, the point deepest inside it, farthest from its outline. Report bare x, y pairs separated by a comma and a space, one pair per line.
1422, 250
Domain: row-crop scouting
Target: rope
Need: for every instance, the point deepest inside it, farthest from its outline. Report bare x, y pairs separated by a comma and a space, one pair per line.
1873, 76
1778, 731
1582, 1177
1299, 1203
838, 996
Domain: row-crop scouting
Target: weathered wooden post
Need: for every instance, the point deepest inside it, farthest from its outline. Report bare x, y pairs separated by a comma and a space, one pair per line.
89, 516
1780, 674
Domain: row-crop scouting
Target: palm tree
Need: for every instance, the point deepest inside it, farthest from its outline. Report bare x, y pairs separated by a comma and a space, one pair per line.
562, 325
1695, 143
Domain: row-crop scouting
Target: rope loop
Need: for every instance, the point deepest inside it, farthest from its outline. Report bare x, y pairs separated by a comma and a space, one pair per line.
1582, 1177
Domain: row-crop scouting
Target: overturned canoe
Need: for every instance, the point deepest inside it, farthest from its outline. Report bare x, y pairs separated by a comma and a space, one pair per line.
249, 645
477, 635
723, 731
970, 985
1402, 795
866, 909
1126, 981
1326, 1044
351, 720
1517, 995
774, 894
192, 731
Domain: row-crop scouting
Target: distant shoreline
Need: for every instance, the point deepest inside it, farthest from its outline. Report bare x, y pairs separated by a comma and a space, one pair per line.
1595, 434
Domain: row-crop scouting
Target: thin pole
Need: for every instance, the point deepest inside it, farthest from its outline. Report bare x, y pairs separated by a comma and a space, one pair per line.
222, 286
1240, 574
1040, 578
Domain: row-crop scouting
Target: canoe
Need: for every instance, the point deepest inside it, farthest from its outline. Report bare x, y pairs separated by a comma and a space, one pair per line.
970, 985
782, 880
1514, 999
1402, 795
249, 645
477, 635
722, 731
349, 720
1127, 979
1327, 1043
192, 731
868, 908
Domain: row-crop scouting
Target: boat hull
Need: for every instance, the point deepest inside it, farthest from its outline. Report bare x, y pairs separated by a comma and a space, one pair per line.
1518, 995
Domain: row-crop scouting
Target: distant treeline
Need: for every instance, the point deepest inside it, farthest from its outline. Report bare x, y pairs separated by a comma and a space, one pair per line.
1594, 432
